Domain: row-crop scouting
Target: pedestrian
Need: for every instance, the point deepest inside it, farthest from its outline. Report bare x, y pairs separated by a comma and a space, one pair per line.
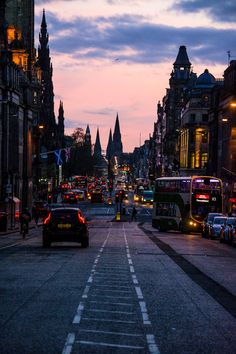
25, 218
35, 214
133, 214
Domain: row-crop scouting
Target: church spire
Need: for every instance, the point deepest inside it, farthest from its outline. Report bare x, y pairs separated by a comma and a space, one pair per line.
109, 152
97, 146
117, 144
61, 126
47, 96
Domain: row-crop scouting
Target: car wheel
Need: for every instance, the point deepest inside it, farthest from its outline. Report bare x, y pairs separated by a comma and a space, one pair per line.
85, 242
46, 242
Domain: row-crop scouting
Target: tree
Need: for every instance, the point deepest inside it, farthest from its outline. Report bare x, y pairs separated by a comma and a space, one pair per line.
78, 136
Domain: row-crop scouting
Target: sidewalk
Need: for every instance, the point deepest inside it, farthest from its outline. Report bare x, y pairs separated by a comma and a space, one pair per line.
16, 229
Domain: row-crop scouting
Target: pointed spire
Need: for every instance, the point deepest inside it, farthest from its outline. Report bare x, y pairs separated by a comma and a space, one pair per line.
109, 152
182, 57
97, 146
87, 130
117, 144
43, 35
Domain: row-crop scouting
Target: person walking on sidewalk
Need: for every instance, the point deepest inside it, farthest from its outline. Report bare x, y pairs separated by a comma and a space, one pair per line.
133, 214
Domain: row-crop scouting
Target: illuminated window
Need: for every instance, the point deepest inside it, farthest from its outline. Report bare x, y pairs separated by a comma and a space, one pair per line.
204, 160
192, 160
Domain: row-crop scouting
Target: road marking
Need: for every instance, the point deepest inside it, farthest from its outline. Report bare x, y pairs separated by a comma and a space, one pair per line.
143, 308
78, 315
112, 303
111, 286
69, 343
12, 245
109, 332
107, 320
152, 346
111, 297
107, 311
109, 345
85, 293
134, 278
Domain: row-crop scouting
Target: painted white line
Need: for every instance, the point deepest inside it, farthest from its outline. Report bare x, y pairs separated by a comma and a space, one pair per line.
111, 297
111, 286
139, 292
111, 303
116, 291
130, 261
134, 278
69, 343
145, 316
106, 320
109, 345
131, 269
152, 346
107, 311
85, 293
78, 314
109, 332
90, 279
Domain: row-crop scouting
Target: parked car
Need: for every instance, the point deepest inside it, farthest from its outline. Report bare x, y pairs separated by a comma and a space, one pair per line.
228, 230
208, 222
216, 226
65, 225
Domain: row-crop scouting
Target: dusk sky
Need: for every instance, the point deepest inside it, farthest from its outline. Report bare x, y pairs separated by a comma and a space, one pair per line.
114, 56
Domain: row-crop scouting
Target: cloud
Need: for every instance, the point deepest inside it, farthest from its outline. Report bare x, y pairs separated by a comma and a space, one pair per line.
220, 10
133, 40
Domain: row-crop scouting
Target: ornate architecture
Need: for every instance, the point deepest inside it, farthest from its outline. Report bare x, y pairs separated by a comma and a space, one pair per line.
47, 117
97, 147
117, 143
109, 151
181, 82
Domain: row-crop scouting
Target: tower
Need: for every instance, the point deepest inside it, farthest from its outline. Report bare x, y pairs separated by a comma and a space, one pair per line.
88, 142
60, 127
109, 152
182, 79
47, 116
117, 144
97, 147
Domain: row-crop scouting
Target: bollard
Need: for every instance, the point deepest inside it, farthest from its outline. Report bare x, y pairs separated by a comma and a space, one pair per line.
118, 216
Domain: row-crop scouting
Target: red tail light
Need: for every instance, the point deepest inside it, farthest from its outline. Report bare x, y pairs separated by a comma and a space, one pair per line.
67, 197
81, 219
48, 219
77, 197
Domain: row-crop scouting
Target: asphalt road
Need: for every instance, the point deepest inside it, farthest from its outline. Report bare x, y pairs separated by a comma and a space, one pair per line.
134, 290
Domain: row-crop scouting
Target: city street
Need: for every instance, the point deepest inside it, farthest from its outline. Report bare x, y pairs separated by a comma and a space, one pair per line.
134, 290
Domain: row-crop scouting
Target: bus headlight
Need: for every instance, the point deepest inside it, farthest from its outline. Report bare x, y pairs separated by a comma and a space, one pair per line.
192, 223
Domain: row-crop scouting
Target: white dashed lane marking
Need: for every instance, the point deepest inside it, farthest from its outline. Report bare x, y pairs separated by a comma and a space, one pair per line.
114, 296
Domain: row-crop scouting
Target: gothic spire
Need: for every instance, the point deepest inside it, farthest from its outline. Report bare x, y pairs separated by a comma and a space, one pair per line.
97, 146
47, 96
117, 144
87, 130
109, 152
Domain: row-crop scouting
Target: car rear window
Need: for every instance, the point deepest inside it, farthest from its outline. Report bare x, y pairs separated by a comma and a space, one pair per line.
65, 215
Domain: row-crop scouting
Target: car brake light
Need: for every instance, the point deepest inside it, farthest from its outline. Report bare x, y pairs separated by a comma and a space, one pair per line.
77, 197
67, 196
48, 219
81, 219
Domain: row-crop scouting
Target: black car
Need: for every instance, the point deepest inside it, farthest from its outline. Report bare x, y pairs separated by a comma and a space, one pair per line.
65, 225
70, 198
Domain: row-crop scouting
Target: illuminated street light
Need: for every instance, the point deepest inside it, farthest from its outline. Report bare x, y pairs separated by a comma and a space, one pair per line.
233, 104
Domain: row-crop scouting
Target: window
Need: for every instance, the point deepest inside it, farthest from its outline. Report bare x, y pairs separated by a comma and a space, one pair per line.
192, 162
192, 118
204, 160
205, 117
